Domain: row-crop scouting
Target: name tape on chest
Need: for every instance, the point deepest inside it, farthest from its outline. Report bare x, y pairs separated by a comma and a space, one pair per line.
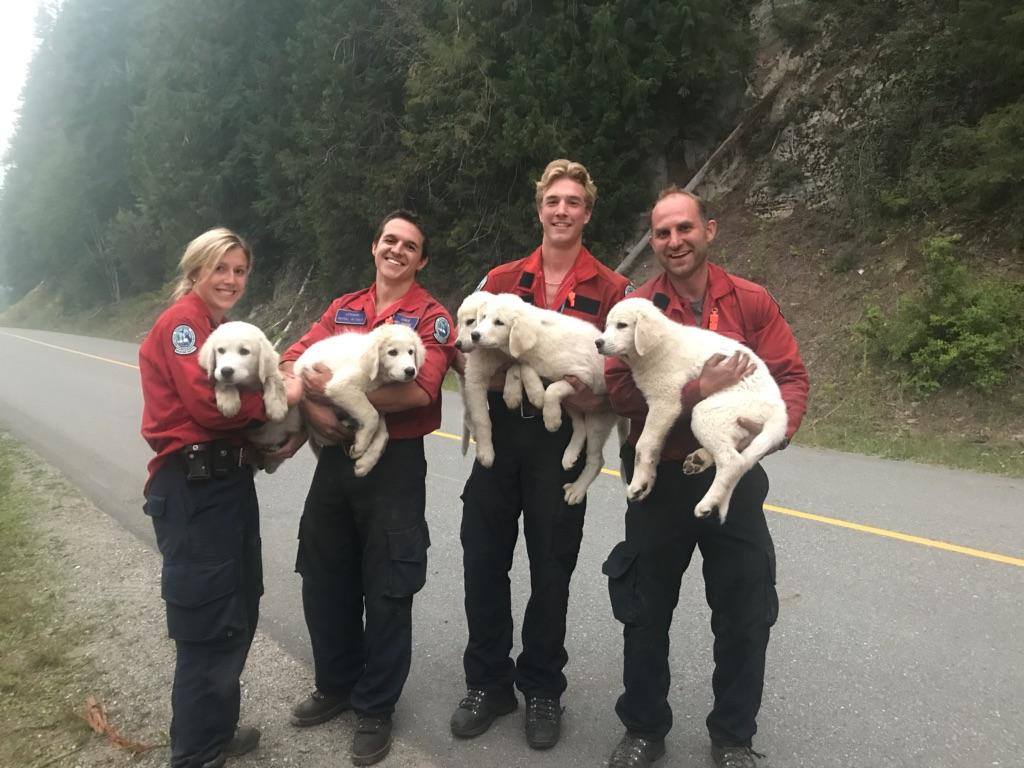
409, 320
350, 317
183, 339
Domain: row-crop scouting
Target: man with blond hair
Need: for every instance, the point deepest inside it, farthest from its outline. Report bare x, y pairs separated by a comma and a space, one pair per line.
527, 478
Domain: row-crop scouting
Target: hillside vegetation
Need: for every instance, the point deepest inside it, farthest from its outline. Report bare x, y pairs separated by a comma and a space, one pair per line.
876, 188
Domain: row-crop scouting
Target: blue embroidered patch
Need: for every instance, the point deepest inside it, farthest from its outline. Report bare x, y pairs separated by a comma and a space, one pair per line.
408, 320
350, 317
442, 330
183, 339
629, 289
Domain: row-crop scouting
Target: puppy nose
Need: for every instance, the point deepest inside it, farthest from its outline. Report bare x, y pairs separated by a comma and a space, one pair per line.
410, 372
475, 335
227, 373
599, 343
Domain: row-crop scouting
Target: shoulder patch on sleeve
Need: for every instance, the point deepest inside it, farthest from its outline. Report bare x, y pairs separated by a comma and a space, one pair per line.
442, 330
183, 339
629, 288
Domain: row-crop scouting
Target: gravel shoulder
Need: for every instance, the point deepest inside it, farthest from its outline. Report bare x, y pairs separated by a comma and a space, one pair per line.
105, 585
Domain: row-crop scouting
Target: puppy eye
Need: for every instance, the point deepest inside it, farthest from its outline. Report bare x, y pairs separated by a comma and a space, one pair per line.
498, 322
620, 326
470, 322
393, 352
220, 350
243, 351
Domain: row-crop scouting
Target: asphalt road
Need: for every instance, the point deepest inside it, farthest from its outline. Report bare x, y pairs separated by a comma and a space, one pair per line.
900, 640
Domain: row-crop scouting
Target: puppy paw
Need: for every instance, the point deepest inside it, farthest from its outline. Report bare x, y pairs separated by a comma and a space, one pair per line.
513, 397
552, 419
697, 462
706, 508
363, 466
570, 457
358, 449
485, 454
574, 494
640, 488
228, 402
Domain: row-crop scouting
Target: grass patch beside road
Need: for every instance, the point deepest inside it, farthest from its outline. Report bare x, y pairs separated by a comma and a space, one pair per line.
39, 669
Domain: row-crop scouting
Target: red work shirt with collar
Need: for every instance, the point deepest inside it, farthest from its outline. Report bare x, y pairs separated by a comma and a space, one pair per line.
357, 313
179, 407
733, 307
588, 291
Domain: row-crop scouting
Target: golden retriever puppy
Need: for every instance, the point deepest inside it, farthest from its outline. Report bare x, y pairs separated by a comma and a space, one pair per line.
360, 363
663, 356
237, 356
551, 345
481, 365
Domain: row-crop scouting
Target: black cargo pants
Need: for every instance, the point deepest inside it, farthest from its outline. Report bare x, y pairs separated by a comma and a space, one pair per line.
527, 477
644, 574
363, 545
208, 532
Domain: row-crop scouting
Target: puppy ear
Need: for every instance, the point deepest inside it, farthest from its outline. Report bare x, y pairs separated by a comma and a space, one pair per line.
521, 338
268, 359
645, 334
208, 357
373, 359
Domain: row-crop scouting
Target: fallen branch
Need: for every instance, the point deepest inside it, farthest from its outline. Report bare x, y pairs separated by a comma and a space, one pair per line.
95, 716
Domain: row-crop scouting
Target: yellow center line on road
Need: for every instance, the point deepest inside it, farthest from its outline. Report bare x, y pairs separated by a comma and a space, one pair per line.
905, 537
72, 351
934, 543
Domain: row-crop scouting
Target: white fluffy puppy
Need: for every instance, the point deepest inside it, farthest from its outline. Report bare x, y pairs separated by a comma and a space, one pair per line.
360, 363
663, 356
237, 356
481, 365
551, 345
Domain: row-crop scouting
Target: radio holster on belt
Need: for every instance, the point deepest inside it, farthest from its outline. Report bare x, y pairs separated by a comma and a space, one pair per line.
202, 461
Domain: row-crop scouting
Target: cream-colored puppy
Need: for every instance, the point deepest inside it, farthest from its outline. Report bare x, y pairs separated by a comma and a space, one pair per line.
665, 355
481, 365
360, 363
237, 356
551, 345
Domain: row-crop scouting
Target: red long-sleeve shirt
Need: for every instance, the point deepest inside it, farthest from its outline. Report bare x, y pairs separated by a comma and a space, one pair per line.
357, 313
179, 407
733, 307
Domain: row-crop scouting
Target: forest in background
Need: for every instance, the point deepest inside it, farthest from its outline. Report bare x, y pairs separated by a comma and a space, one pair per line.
897, 146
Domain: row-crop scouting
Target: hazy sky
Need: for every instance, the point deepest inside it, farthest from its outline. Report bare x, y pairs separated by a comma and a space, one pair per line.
17, 25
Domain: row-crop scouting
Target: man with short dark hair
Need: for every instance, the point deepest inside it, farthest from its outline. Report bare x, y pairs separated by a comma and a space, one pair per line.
645, 570
363, 540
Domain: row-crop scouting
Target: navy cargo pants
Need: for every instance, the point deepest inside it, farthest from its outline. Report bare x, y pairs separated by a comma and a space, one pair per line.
527, 478
363, 546
209, 535
644, 574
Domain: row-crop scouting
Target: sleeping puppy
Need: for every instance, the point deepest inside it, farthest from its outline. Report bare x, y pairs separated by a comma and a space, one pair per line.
551, 345
481, 365
237, 356
360, 363
663, 356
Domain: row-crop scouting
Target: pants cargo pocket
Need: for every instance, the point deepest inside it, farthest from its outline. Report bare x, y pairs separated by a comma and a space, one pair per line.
202, 601
407, 549
620, 568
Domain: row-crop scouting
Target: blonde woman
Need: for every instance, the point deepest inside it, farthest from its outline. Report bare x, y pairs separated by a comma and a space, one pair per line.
202, 501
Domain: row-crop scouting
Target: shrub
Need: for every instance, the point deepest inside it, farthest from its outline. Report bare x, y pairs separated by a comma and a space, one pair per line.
958, 329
